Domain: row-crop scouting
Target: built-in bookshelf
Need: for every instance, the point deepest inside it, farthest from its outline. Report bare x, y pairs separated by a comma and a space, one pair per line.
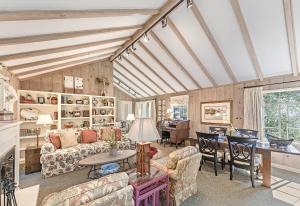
66, 110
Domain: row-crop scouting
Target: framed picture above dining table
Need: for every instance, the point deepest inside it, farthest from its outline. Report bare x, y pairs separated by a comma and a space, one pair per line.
217, 112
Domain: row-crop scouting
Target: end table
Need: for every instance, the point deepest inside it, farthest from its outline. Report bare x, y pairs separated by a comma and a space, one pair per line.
147, 188
32, 159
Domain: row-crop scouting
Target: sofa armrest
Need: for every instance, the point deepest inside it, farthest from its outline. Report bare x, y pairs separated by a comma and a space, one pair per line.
47, 148
172, 173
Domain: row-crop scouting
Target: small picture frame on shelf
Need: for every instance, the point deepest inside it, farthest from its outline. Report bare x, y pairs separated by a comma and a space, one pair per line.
41, 100
79, 101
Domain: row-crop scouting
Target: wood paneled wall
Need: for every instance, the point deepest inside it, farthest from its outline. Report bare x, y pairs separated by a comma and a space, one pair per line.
53, 82
234, 92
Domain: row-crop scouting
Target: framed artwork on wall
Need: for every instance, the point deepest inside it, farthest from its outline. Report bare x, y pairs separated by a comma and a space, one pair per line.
219, 112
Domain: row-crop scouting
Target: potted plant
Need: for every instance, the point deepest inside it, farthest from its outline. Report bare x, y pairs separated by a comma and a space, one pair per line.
113, 144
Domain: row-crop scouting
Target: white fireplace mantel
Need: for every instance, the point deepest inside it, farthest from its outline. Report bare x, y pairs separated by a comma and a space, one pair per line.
9, 137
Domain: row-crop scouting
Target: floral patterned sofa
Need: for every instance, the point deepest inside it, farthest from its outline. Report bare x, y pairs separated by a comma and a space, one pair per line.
109, 190
182, 167
59, 161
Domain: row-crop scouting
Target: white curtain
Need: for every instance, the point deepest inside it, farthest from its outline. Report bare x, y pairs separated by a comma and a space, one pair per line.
253, 101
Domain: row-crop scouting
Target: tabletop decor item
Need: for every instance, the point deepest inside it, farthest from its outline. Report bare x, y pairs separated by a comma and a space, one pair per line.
43, 119
278, 142
219, 112
113, 144
143, 131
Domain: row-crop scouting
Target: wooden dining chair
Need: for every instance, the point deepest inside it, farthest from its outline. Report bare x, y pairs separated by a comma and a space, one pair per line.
218, 130
246, 132
242, 155
208, 146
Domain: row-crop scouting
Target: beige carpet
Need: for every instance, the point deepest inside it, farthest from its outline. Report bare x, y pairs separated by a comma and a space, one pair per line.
212, 191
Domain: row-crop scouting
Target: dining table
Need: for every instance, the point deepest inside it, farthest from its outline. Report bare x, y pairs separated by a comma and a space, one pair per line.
265, 150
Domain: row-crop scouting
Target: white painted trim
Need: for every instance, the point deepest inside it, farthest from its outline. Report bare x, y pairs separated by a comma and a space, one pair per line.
281, 90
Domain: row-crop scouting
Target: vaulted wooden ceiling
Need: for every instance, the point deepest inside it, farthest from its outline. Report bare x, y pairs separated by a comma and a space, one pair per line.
213, 43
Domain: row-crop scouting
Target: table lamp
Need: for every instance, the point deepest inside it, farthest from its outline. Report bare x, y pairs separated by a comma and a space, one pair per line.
143, 131
43, 119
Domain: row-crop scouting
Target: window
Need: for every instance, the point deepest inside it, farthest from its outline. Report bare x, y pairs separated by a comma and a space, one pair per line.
179, 107
145, 109
282, 113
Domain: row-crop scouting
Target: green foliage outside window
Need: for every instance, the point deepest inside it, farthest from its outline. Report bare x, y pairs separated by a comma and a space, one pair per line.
282, 114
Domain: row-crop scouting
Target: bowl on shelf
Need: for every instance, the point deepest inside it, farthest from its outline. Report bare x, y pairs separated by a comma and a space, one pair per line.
278, 142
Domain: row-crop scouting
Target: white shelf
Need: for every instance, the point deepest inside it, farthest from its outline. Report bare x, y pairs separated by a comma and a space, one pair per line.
64, 118
103, 107
33, 121
98, 124
100, 115
31, 137
76, 105
42, 105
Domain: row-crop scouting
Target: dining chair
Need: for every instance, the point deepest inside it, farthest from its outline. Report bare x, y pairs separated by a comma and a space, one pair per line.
208, 146
246, 132
218, 130
242, 155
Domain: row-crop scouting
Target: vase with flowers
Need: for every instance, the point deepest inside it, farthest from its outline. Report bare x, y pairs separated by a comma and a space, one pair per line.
113, 144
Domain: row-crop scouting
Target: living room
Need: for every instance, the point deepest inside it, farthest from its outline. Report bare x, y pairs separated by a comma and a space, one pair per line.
153, 102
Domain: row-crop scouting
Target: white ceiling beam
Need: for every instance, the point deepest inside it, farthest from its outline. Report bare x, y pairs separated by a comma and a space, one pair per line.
135, 77
161, 64
75, 62
142, 72
174, 59
71, 14
213, 42
63, 35
118, 86
59, 49
58, 59
129, 80
290, 29
247, 38
155, 73
152, 21
191, 52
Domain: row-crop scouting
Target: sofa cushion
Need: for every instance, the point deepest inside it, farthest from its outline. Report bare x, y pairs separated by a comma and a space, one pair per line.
88, 136
89, 191
55, 140
68, 139
180, 154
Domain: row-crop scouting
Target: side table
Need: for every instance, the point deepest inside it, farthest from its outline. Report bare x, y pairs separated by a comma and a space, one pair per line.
32, 159
147, 188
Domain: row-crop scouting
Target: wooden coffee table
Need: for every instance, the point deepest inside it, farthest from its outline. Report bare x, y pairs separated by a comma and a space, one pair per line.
95, 161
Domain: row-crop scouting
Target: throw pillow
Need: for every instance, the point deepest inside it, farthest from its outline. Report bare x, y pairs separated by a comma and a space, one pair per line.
55, 140
68, 139
152, 152
118, 134
106, 133
88, 136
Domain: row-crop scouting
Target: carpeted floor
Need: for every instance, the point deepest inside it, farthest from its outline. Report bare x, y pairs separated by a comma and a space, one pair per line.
212, 190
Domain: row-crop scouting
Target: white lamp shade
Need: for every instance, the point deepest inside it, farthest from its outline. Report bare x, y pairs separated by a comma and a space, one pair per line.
44, 119
143, 130
130, 117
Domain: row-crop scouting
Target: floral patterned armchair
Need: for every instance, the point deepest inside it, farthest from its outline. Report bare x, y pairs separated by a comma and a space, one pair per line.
182, 167
106, 191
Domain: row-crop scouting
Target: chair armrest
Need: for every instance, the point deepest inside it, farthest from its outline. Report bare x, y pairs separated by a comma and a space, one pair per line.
47, 148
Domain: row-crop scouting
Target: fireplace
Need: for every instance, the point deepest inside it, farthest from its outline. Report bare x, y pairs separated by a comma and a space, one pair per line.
7, 178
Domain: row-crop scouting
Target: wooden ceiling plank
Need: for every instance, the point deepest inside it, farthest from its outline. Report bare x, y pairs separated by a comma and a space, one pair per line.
138, 69
117, 84
167, 51
75, 62
58, 49
191, 52
155, 73
290, 29
213, 42
129, 80
162, 65
63, 58
136, 77
247, 38
63, 35
152, 21
71, 14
